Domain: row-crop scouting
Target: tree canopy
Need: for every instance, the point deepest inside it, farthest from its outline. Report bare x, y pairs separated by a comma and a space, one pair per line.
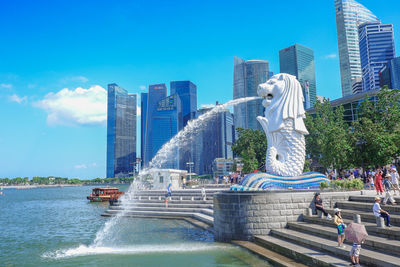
251, 146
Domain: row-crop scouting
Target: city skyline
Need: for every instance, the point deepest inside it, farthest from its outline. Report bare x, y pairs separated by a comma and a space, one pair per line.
51, 70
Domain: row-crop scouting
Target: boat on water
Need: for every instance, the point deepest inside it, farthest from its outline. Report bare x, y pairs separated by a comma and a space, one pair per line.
101, 194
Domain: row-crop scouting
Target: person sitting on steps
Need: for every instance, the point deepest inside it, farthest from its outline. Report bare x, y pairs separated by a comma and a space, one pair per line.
378, 212
320, 206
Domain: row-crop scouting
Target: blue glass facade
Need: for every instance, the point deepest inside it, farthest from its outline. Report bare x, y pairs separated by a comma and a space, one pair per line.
350, 14
376, 49
156, 93
390, 74
298, 60
247, 75
214, 141
121, 131
187, 92
143, 121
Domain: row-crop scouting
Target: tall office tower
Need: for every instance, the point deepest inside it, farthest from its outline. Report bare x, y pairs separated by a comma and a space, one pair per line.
121, 131
247, 75
298, 60
214, 141
376, 49
390, 74
187, 92
143, 120
155, 94
349, 15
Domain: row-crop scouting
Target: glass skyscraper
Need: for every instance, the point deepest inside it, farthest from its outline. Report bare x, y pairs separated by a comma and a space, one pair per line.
298, 60
390, 74
376, 49
214, 141
121, 131
247, 75
187, 92
161, 120
349, 15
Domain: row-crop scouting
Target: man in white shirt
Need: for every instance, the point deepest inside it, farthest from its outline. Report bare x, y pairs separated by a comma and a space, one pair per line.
378, 212
395, 180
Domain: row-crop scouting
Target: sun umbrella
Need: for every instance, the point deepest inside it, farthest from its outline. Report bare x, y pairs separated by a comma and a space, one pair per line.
356, 232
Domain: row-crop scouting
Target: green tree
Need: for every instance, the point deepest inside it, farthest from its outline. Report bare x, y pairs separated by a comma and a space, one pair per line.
376, 134
251, 145
329, 141
250, 162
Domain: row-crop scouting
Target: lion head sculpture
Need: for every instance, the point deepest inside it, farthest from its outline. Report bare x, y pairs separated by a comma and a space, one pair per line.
283, 99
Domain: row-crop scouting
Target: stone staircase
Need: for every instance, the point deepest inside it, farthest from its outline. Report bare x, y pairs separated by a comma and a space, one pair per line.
187, 203
313, 241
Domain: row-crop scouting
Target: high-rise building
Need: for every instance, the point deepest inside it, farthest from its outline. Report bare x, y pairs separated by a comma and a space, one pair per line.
143, 121
213, 141
161, 120
155, 94
349, 15
121, 131
187, 92
376, 49
390, 74
298, 60
247, 75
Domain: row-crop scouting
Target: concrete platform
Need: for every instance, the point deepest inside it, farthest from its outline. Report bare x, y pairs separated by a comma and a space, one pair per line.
368, 257
366, 206
156, 214
366, 216
269, 255
308, 256
372, 229
373, 242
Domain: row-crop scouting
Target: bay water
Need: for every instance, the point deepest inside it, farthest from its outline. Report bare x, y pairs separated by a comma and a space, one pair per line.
57, 226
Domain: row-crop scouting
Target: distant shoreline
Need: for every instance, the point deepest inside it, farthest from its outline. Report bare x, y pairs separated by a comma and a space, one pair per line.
52, 185
36, 186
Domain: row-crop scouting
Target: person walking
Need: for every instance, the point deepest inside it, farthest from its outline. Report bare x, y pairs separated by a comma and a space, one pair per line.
320, 206
378, 212
378, 182
395, 180
387, 186
338, 220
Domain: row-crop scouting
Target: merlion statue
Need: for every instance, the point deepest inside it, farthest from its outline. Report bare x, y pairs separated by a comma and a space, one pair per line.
283, 124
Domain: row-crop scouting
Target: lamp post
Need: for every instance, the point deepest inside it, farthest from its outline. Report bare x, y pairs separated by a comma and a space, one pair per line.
190, 166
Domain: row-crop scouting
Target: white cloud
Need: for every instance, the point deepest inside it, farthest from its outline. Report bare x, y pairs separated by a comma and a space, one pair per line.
142, 87
6, 85
76, 107
81, 166
16, 98
94, 164
333, 55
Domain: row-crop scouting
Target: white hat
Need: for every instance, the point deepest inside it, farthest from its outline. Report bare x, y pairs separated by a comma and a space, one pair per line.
337, 210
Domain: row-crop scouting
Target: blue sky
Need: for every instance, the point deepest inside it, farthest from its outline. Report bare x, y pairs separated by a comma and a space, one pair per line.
47, 46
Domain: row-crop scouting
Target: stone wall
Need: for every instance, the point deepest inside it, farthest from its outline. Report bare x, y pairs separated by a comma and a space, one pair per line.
238, 215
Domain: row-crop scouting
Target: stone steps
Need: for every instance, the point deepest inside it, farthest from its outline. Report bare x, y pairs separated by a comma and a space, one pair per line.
172, 205
169, 209
373, 242
309, 256
173, 201
367, 256
365, 206
372, 229
134, 213
365, 216
370, 199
